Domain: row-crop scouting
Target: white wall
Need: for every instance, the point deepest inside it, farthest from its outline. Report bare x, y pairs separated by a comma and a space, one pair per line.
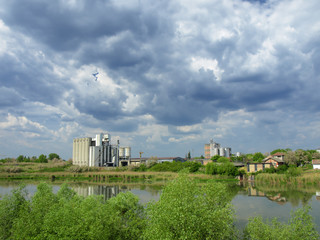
316, 166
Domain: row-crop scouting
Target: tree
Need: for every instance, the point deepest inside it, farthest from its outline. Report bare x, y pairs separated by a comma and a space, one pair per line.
280, 150
223, 160
53, 155
186, 210
42, 158
300, 226
258, 157
215, 158
290, 158
20, 158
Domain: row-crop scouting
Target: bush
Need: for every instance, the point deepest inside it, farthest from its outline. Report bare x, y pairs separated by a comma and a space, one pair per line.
223, 169
282, 169
189, 211
300, 226
294, 171
270, 170
67, 216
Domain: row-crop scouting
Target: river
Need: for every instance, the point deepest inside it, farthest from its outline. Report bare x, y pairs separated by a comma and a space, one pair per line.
248, 200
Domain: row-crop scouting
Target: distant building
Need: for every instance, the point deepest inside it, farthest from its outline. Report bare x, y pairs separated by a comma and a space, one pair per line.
213, 149
316, 164
276, 159
254, 167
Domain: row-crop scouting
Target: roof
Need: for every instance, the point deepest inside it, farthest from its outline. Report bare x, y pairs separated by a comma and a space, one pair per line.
278, 154
274, 159
316, 161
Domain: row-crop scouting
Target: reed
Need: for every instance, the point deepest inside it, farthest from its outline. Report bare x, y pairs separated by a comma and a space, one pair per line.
306, 178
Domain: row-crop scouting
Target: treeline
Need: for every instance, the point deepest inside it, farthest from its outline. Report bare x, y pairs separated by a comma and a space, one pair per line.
222, 168
188, 166
298, 157
41, 159
185, 210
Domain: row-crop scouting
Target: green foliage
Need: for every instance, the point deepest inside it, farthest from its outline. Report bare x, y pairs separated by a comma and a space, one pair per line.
42, 159
189, 211
294, 171
186, 210
10, 208
280, 150
140, 168
223, 169
223, 160
67, 216
258, 157
6, 160
53, 155
281, 169
300, 226
215, 158
270, 170
20, 158
175, 166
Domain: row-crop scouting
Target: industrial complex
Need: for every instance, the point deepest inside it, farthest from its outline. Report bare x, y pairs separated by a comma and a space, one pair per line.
99, 152
213, 149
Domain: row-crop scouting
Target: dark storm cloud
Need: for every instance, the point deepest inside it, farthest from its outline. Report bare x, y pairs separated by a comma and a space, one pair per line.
9, 98
31, 79
143, 50
64, 28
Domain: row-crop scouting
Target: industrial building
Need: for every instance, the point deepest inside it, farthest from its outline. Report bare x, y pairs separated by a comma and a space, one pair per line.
213, 149
99, 152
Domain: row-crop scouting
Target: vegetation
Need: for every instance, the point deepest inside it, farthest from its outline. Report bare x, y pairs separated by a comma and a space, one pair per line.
186, 210
225, 168
188, 166
300, 226
189, 211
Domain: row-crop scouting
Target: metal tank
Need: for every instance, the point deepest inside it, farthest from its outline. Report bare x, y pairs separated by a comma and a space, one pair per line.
222, 152
127, 152
121, 152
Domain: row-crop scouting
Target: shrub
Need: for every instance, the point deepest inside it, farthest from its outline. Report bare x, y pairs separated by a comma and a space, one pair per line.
300, 226
294, 171
282, 169
189, 211
270, 170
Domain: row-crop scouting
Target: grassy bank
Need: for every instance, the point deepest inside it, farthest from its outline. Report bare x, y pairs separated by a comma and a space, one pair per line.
309, 177
108, 176
62, 170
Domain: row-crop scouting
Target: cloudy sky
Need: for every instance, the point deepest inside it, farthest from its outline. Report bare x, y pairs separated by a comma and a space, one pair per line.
172, 74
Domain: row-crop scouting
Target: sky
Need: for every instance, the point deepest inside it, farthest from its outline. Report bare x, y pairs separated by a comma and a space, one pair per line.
164, 77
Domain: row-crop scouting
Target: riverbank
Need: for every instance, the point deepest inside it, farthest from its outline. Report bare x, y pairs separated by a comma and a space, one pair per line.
61, 171
110, 176
309, 177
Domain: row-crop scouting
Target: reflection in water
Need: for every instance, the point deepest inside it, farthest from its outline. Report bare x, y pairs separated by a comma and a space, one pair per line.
106, 191
144, 193
248, 199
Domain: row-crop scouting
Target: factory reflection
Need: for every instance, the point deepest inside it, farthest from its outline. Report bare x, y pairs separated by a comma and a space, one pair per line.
108, 192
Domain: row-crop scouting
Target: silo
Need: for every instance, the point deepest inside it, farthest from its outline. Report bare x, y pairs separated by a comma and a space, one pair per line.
228, 152
127, 152
121, 152
222, 152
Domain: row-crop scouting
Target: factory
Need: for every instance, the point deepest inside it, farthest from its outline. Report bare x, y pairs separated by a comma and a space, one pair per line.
99, 152
213, 149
